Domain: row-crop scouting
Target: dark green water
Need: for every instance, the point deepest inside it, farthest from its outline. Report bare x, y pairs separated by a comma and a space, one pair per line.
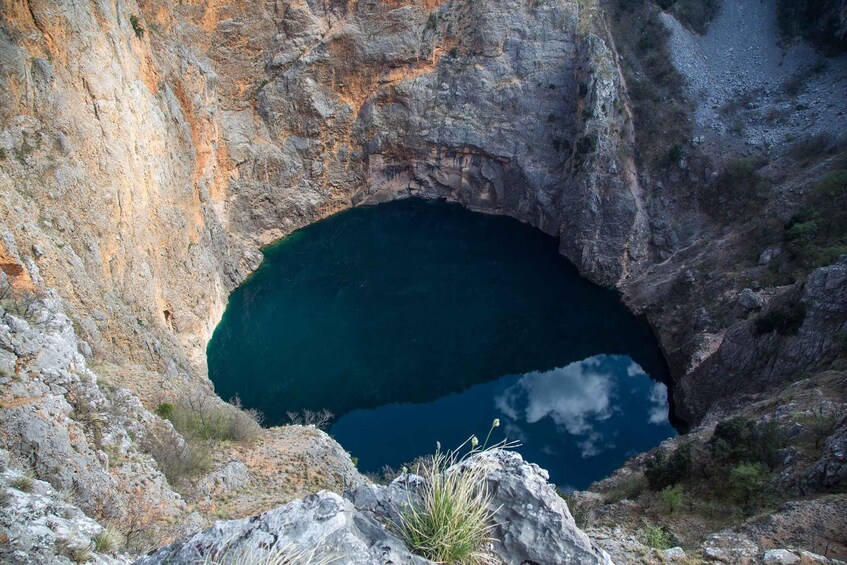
418, 321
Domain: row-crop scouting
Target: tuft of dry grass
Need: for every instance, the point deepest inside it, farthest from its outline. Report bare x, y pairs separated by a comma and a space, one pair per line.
285, 554
453, 521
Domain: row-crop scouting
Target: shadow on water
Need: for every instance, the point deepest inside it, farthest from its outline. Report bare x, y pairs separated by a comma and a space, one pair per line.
416, 321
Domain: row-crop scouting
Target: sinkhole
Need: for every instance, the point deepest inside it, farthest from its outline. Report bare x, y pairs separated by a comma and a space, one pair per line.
416, 322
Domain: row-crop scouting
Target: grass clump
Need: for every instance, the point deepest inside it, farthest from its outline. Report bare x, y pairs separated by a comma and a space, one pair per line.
281, 554
452, 522
107, 541
24, 483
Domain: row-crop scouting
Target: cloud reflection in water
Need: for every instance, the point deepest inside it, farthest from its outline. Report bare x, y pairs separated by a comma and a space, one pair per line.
577, 398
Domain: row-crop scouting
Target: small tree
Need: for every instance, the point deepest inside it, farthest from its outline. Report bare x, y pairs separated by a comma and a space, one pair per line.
749, 485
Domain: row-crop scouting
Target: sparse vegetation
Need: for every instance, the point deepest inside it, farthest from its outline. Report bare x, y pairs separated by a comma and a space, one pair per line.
655, 87
74, 553
320, 419
578, 511
819, 422
784, 319
817, 235
629, 487
696, 14
178, 459
22, 303
815, 146
136, 26
203, 417
815, 21
738, 190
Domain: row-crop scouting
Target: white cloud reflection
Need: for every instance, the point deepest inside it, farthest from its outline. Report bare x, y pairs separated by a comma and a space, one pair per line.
575, 397
658, 404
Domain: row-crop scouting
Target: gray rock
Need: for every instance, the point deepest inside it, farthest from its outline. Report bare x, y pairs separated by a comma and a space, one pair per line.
323, 523
769, 255
750, 299
532, 522
674, 554
40, 527
779, 557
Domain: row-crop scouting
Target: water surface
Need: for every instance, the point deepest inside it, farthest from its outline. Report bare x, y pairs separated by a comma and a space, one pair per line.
419, 321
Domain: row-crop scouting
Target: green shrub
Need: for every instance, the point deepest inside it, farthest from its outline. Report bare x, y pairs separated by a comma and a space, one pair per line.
784, 320
658, 537
663, 471
165, 410
817, 235
136, 26
749, 485
739, 440
672, 498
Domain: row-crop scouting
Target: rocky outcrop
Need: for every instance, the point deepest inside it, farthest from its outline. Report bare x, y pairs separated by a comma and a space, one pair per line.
38, 526
532, 524
763, 353
80, 435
